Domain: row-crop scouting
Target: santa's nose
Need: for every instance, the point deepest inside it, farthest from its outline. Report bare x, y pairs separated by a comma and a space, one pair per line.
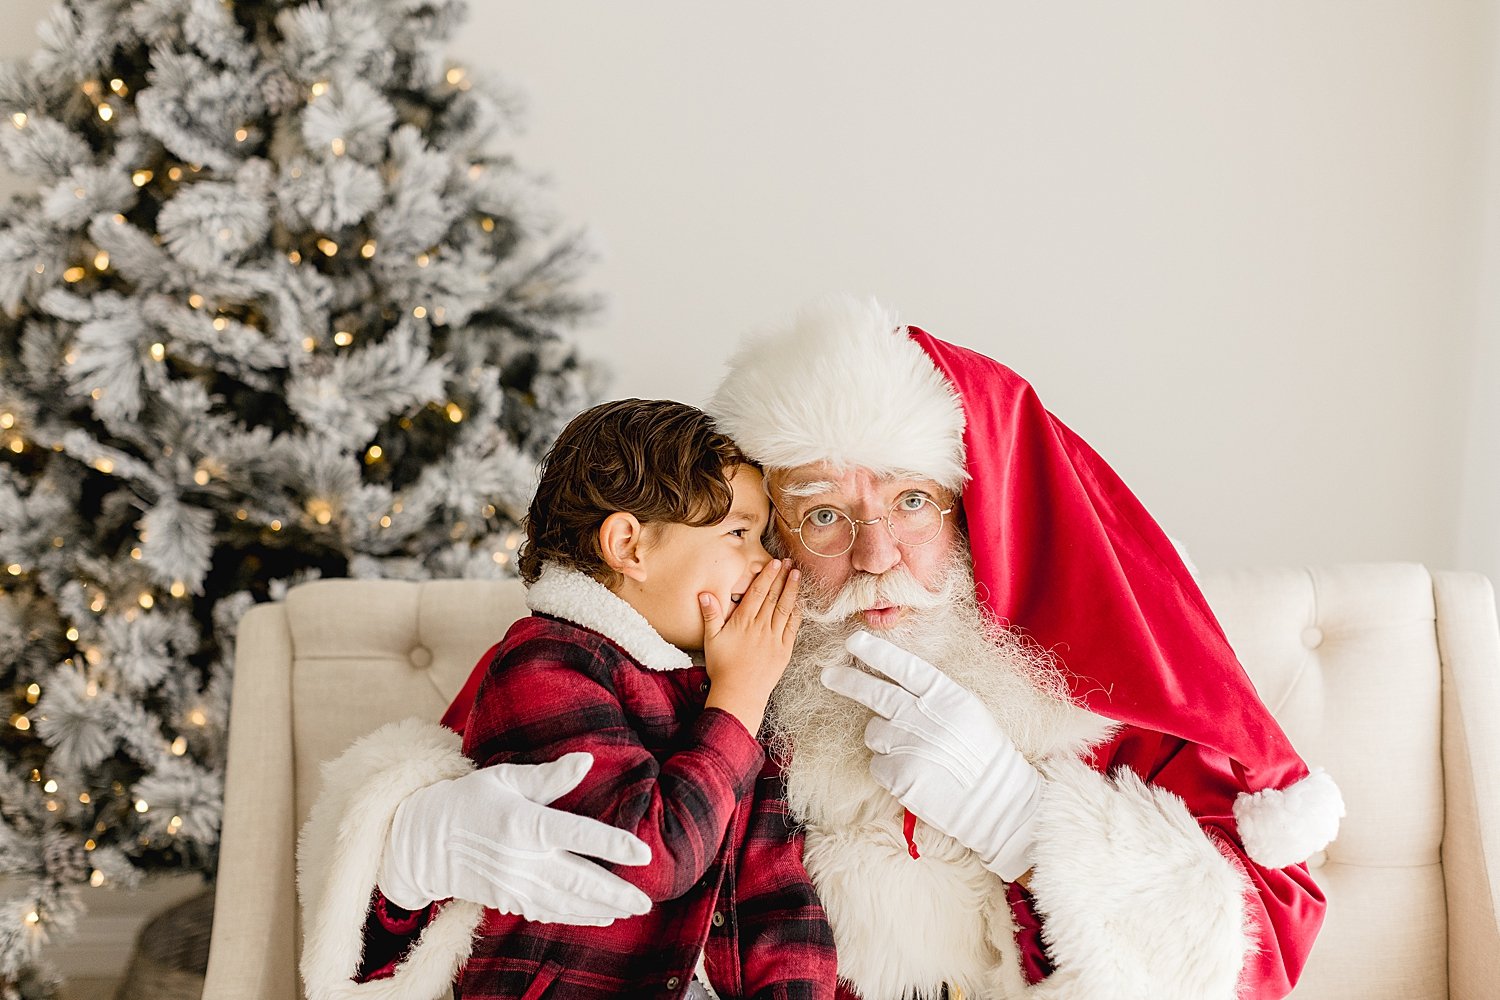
875, 551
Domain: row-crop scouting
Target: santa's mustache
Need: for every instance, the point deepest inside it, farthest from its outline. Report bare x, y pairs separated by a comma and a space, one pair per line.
894, 588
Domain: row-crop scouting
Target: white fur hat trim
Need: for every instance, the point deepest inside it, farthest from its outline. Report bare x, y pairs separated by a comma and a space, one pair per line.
843, 384
1281, 827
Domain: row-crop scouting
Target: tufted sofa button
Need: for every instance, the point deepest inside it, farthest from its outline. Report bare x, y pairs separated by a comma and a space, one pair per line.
1318, 860
421, 657
1312, 637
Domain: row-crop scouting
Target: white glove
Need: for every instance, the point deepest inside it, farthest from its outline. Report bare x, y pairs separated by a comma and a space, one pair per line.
489, 838
941, 753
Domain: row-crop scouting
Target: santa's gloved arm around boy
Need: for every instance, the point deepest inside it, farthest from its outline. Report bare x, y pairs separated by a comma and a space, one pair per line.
405, 810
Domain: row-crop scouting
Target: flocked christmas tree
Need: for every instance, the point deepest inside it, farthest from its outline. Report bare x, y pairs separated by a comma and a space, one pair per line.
278, 308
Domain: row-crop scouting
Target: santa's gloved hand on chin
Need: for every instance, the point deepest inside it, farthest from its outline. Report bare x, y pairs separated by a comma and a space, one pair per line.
490, 838
941, 753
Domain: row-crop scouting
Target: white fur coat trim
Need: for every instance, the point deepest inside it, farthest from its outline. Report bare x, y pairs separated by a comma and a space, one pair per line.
843, 383
1281, 827
579, 598
338, 854
1137, 903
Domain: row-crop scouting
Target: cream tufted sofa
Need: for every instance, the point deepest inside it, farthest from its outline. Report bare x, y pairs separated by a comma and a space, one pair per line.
1385, 674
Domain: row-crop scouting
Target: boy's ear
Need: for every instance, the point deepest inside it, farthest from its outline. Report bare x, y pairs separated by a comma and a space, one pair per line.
620, 538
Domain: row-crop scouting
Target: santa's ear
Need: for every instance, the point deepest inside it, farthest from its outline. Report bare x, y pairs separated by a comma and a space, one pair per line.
620, 543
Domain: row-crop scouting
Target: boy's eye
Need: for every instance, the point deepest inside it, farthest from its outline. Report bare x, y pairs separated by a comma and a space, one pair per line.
740, 532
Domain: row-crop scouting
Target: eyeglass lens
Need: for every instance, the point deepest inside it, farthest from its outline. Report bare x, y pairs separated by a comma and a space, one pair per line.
828, 531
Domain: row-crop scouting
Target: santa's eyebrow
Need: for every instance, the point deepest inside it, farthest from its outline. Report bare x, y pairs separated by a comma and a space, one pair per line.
811, 489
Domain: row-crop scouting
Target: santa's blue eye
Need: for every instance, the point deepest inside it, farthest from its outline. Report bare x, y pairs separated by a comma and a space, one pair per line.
912, 501
822, 517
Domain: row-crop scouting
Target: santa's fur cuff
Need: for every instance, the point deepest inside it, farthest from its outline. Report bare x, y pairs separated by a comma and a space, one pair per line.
1281, 827
338, 855
1137, 903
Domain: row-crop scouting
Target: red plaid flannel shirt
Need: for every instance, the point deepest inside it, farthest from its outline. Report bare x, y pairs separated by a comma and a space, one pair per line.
726, 870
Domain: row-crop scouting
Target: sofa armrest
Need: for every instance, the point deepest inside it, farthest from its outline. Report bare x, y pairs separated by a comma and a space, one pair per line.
252, 955
1469, 643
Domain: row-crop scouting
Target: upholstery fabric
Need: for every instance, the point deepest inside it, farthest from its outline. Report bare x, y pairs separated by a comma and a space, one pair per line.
1384, 674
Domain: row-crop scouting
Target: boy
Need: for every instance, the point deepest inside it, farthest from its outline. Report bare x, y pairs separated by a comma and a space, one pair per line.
644, 541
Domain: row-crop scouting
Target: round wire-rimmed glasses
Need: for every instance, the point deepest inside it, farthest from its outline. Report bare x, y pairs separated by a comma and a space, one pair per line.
914, 519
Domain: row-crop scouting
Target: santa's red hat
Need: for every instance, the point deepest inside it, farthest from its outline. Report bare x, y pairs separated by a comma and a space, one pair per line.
1062, 549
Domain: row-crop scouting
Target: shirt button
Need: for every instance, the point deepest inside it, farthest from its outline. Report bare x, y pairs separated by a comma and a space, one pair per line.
673, 983
718, 918
703, 688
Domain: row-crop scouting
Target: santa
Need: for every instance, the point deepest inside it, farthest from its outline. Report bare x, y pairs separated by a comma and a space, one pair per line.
1023, 757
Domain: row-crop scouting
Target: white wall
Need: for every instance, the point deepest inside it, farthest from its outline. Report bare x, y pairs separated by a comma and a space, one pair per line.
1235, 246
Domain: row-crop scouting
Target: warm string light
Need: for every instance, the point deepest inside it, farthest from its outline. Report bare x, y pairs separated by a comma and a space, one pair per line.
141, 178
328, 247
179, 746
106, 112
373, 454
7, 421
158, 352
33, 692
343, 338
338, 146
320, 88
367, 250
321, 510
101, 261
19, 119
178, 589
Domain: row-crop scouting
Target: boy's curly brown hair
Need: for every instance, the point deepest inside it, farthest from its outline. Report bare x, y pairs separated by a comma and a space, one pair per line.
658, 459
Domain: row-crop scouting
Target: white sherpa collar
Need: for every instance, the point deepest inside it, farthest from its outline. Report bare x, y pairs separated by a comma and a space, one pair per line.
843, 383
576, 597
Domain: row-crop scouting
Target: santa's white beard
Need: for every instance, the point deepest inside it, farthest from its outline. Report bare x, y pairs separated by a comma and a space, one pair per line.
903, 928
822, 733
